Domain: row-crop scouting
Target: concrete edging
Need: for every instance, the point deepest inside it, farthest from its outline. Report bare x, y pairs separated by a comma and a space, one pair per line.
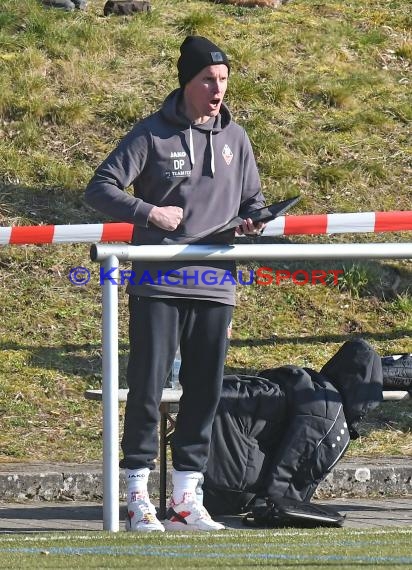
355, 477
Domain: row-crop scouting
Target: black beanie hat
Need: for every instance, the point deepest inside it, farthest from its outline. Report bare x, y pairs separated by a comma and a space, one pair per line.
196, 53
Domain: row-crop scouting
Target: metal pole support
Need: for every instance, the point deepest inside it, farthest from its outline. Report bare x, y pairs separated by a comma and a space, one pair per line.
110, 387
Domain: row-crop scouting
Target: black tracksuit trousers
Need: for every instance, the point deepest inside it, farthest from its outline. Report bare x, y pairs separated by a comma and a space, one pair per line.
156, 327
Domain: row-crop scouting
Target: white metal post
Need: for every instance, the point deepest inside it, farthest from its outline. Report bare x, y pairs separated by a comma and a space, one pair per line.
262, 251
110, 387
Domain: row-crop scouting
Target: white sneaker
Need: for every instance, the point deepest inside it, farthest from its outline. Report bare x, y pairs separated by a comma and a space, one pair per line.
189, 515
141, 516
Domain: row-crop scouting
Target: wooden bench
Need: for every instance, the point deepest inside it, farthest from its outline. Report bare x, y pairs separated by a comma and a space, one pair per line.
168, 406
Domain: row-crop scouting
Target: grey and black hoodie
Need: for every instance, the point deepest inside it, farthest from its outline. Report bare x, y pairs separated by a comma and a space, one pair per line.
208, 170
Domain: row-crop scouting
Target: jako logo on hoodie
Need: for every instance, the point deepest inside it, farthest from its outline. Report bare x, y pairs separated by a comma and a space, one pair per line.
179, 160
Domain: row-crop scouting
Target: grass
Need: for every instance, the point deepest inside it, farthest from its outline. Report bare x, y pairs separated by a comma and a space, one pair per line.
323, 90
343, 548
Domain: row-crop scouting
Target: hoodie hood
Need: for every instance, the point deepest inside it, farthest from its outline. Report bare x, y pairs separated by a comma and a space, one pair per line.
356, 372
171, 111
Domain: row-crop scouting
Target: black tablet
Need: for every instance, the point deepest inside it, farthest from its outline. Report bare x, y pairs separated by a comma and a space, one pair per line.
265, 214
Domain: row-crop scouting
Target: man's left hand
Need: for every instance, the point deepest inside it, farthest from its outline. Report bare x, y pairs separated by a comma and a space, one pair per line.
249, 228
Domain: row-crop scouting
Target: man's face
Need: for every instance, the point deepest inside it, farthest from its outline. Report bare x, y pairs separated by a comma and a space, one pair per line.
203, 95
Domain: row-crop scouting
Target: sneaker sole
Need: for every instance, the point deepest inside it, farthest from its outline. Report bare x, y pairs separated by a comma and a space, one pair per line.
179, 527
142, 528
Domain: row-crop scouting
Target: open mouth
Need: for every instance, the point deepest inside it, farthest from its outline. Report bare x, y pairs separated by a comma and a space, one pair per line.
215, 102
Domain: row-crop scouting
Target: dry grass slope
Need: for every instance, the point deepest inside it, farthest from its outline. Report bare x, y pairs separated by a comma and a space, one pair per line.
324, 90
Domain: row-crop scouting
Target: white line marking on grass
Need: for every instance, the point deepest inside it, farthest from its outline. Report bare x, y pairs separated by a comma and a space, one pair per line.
159, 551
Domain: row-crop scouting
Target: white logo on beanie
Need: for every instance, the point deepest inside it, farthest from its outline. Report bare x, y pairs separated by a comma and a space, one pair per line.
216, 56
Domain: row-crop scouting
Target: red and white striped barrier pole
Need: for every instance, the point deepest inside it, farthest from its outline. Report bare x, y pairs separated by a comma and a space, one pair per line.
314, 224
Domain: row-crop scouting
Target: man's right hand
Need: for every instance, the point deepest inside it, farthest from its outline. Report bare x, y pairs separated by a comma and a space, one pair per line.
166, 217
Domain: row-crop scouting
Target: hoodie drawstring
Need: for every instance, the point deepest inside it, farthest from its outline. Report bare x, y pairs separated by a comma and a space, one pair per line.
212, 154
192, 152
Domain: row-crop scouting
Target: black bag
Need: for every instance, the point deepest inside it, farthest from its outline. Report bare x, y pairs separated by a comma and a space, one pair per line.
289, 513
273, 439
279, 434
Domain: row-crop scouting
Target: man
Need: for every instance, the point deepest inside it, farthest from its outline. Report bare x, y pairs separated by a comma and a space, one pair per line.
193, 170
